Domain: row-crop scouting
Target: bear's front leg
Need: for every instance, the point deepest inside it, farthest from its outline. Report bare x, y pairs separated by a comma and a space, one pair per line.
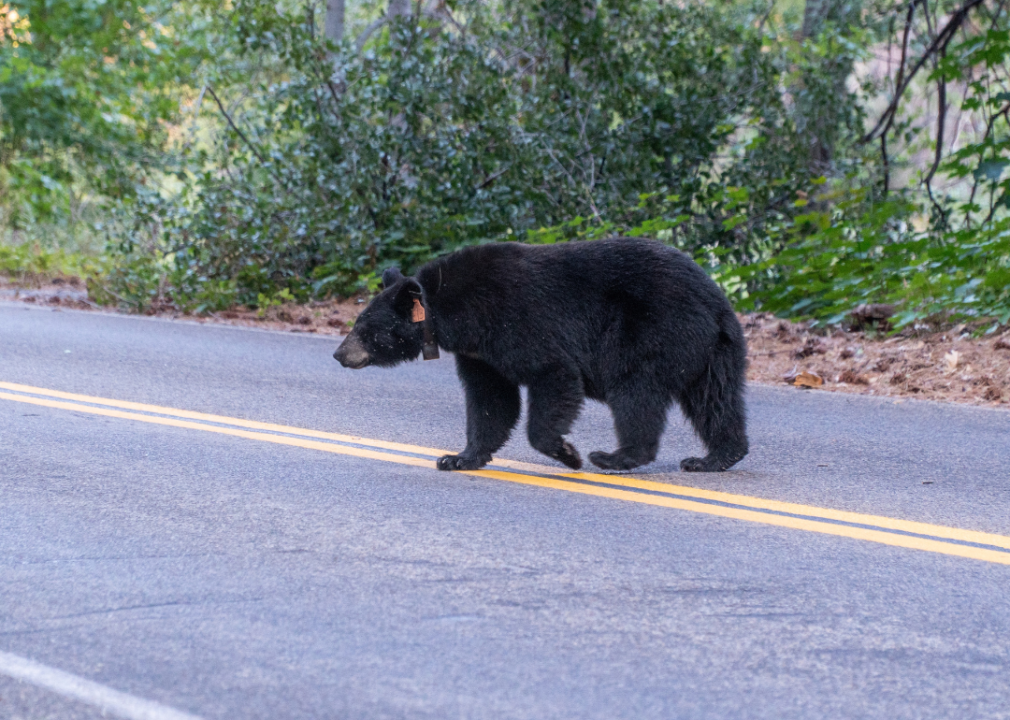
555, 398
492, 409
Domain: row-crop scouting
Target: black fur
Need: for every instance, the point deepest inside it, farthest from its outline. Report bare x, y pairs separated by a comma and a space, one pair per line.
629, 322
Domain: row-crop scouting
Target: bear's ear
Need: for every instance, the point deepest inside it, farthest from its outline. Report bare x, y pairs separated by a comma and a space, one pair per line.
404, 302
390, 276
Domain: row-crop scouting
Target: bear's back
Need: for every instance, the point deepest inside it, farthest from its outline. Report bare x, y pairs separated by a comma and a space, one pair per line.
529, 303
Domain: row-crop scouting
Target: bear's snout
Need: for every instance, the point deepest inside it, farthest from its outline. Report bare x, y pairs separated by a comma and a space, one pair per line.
352, 353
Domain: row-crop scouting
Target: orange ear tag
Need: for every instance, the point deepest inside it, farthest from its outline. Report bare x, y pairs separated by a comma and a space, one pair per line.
417, 312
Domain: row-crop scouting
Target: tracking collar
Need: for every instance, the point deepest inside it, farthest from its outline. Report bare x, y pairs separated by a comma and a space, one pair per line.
419, 313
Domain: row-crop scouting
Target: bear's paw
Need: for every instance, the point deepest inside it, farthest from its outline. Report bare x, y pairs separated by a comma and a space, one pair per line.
696, 464
462, 462
615, 461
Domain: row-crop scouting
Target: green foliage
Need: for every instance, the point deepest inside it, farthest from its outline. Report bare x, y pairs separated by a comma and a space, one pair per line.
393, 163
131, 283
332, 164
28, 262
229, 155
939, 255
980, 63
265, 302
860, 252
627, 98
85, 89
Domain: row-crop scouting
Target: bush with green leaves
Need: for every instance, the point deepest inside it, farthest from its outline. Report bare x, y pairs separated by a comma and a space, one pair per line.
86, 90
319, 180
938, 248
858, 252
30, 263
332, 163
726, 130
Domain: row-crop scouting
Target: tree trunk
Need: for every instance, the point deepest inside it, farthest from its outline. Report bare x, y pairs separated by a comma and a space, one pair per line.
398, 8
335, 20
814, 12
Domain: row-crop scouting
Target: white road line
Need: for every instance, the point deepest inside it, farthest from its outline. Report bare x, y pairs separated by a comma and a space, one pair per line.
105, 698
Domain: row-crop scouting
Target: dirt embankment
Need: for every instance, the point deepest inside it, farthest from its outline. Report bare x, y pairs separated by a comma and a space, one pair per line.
947, 364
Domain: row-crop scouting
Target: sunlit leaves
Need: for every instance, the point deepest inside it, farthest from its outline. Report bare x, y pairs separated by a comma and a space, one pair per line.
87, 99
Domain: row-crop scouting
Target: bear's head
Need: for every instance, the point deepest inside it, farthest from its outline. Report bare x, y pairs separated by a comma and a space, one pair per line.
384, 334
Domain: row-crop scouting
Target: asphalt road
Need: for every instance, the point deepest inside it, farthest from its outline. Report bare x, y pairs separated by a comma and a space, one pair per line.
249, 573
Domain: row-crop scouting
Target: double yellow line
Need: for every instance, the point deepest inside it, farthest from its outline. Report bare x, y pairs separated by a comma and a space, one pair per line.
873, 528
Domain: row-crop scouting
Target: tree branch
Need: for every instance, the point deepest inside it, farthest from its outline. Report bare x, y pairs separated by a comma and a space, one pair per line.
241, 134
887, 167
233, 126
941, 120
899, 89
493, 177
359, 44
941, 41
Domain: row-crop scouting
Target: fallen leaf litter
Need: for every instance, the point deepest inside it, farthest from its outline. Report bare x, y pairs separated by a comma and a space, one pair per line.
947, 365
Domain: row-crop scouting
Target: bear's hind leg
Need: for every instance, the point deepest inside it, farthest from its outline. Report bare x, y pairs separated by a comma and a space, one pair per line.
639, 420
492, 409
555, 398
715, 407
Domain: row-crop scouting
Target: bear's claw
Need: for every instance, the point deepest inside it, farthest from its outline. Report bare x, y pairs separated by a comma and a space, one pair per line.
568, 455
462, 462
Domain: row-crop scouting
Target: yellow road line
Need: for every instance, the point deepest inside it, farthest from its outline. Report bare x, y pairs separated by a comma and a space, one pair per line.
751, 510
206, 417
623, 480
877, 536
919, 528
247, 434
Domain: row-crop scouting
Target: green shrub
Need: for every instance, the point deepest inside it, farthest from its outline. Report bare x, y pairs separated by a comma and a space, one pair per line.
859, 252
334, 164
28, 262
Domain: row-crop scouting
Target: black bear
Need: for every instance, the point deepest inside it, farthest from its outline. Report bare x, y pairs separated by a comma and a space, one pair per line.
626, 321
